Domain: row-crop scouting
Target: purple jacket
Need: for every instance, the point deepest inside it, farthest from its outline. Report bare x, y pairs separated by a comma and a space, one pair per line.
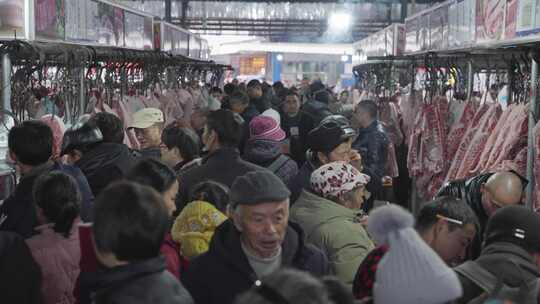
58, 258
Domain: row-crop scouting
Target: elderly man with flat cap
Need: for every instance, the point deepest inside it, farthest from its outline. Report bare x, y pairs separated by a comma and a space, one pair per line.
485, 194
257, 241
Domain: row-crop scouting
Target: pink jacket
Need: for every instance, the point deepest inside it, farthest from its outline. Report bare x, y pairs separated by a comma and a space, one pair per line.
59, 259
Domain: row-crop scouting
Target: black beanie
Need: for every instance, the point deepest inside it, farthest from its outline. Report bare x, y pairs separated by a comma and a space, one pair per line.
316, 86
258, 187
514, 224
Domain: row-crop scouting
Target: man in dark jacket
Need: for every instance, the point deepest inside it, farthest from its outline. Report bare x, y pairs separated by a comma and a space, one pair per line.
180, 148
102, 163
222, 135
485, 194
112, 129
240, 104
270, 96
290, 123
313, 111
329, 142
372, 143
256, 96
511, 253
279, 90
130, 224
257, 241
30, 146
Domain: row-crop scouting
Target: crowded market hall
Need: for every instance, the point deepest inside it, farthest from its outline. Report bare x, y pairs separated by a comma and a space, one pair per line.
269, 152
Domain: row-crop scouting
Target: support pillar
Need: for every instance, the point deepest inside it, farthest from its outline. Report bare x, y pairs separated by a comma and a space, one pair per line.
6, 84
531, 135
470, 79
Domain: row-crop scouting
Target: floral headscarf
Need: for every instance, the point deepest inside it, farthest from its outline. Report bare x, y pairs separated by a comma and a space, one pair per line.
337, 178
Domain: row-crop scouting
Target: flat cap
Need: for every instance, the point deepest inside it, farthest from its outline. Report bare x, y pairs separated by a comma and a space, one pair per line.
258, 187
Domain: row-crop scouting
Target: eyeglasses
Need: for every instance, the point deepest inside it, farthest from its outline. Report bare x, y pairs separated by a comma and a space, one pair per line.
269, 293
450, 220
496, 204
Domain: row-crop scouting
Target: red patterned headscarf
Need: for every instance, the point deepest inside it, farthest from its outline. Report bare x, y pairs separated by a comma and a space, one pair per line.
337, 178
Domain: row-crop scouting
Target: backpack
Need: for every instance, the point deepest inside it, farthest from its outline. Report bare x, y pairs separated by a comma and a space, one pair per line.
278, 163
526, 293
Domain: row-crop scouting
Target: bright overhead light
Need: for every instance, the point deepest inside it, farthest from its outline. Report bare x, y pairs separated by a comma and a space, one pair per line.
344, 58
339, 21
279, 57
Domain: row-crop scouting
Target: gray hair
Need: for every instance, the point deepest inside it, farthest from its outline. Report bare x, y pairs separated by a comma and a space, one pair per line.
295, 286
345, 197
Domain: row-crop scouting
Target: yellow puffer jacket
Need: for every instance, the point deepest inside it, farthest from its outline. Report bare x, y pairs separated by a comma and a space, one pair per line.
195, 226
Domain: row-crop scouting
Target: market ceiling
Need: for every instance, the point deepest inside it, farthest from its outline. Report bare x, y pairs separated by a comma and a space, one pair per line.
285, 20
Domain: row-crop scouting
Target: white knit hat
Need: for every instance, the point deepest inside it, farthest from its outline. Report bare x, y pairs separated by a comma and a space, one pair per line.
410, 272
274, 114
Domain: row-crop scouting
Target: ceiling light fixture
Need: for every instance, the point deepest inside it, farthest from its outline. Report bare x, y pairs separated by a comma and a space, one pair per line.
339, 21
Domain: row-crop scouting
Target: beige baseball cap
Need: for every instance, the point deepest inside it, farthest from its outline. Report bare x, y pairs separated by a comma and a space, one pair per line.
146, 118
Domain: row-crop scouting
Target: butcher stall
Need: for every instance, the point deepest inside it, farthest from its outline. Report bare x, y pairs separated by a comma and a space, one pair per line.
66, 60
462, 98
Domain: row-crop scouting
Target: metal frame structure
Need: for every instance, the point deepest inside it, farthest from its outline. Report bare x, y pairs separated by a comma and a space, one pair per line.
275, 29
18, 52
304, 29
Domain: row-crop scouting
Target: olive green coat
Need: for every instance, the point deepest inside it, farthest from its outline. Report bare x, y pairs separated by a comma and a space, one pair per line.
336, 230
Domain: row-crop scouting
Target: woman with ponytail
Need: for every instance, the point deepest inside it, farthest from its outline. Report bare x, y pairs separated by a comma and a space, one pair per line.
55, 246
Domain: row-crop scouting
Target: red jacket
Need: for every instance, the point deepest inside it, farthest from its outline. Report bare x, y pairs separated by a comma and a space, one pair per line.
171, 251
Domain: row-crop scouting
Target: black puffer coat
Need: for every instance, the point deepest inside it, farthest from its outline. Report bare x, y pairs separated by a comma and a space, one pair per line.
222, 166
469, 190
312, 113
141, 282
221, 274
106, 163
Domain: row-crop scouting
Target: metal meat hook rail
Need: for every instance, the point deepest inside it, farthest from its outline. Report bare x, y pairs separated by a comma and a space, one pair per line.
79, 70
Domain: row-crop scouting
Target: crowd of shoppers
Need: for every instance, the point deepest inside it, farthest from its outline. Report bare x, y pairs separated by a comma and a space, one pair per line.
267, 195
